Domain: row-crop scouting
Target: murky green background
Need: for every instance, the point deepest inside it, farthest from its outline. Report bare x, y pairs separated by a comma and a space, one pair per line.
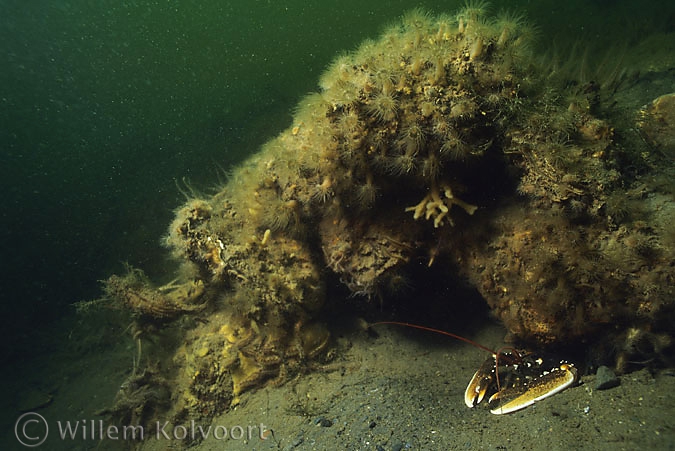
105, 105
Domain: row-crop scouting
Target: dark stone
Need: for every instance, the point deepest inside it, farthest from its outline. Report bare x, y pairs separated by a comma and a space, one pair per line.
605, 379
323, 422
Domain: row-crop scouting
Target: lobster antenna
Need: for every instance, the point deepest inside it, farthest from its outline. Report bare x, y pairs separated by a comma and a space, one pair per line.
438, 331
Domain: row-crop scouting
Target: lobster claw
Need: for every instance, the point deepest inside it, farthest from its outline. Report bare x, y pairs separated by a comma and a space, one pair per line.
548, 383
480, 383
520, 384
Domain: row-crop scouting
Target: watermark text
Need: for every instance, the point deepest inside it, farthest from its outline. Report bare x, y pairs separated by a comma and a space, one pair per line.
32, 429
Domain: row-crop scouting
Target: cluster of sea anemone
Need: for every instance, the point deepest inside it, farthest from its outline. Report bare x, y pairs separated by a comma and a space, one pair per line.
442, 141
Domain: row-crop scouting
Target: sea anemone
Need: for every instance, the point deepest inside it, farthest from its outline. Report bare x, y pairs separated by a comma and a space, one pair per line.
396, 283
385, 80
472, 12
445, 24
463, 109
365, 50
379, 161
378, 140
340, 70
418, 19
438, 74
312, 107
323, 191
366, 193
283, 215
348, 123
442, 128
383, 107
477, 49
454, 148
560, 154
402, 164
618, 207
510, 25
427, 108
342, 93
417, 64
412, 137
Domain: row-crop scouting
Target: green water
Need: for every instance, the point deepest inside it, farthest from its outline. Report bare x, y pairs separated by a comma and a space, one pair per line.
105, 105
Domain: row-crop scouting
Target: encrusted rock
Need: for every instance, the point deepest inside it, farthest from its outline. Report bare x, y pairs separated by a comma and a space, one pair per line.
657, 123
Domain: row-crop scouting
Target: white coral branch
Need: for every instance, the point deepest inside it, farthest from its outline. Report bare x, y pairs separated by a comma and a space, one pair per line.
433, 206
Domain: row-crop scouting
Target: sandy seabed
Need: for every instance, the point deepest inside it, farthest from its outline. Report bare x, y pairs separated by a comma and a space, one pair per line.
396, 389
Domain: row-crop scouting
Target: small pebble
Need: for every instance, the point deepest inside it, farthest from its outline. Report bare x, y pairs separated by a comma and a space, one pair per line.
298, 440
323, 422
605, 379
397, 446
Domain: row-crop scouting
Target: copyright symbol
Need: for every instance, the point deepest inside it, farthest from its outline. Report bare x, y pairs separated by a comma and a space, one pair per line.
31, 429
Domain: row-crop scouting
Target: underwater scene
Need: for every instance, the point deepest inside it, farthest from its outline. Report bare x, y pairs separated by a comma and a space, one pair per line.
335, 225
